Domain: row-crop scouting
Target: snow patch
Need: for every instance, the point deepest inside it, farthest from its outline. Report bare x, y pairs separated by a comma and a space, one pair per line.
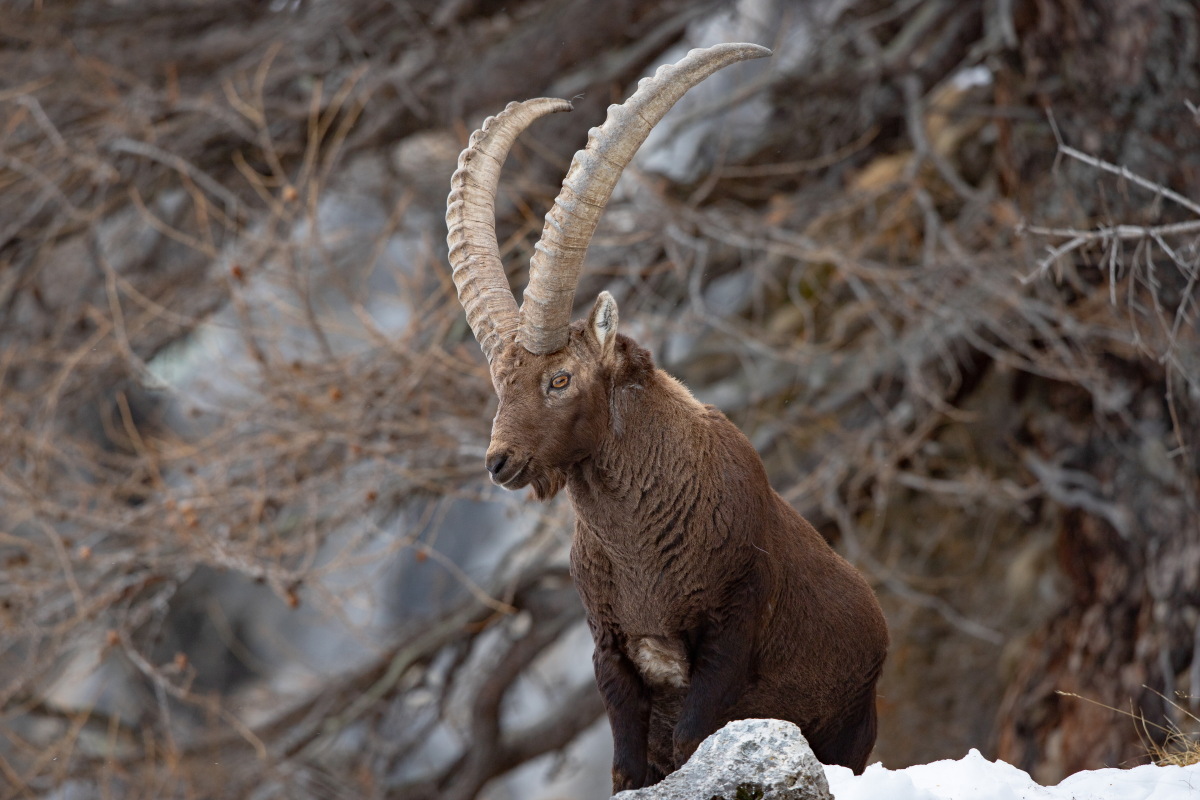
974, 777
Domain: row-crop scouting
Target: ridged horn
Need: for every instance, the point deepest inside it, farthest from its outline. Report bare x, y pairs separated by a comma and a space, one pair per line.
558, 257
471, 223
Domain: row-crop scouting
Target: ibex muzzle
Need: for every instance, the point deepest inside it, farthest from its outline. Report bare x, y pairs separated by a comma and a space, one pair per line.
709, 598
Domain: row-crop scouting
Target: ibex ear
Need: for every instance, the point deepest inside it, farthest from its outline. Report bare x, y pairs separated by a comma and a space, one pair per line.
603, 322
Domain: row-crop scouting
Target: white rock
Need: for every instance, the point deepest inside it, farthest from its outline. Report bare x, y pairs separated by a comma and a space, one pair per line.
749, 759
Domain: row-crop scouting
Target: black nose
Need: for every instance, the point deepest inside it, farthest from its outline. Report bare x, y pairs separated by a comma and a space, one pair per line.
496, 461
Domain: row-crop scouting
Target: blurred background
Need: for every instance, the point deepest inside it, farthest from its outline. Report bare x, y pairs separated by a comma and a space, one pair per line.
939, 259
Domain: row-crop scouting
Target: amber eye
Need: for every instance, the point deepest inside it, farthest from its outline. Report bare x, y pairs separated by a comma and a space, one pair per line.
560, 381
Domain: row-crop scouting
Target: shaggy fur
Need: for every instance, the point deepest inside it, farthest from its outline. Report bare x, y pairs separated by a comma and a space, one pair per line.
709, 597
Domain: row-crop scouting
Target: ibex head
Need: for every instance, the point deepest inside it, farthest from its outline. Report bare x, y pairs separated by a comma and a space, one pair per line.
553, 378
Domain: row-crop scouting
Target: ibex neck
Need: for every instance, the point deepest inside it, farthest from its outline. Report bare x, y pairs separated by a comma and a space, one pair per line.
658, 440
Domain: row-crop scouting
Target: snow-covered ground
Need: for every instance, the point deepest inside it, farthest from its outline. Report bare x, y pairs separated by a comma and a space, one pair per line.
973, 777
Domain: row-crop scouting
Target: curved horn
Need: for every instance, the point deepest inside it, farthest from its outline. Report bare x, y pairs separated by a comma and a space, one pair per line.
471, 223
554, 269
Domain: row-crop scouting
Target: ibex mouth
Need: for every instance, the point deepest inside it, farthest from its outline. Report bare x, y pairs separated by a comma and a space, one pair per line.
511, 474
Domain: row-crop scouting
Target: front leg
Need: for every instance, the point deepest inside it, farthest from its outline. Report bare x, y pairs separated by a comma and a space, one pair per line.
627, 701
721, 658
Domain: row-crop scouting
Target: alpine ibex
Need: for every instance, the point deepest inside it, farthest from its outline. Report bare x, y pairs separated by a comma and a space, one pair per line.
709, 597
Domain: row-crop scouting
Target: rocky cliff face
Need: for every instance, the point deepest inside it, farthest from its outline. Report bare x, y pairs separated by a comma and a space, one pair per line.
937, 259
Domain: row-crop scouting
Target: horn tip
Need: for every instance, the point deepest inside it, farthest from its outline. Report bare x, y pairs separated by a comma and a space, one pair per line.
743, 50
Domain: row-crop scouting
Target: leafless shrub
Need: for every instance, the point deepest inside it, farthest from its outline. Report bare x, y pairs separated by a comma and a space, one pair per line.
995, 419
284, 464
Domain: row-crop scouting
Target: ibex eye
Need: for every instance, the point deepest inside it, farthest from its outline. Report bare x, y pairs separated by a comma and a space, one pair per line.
560, 381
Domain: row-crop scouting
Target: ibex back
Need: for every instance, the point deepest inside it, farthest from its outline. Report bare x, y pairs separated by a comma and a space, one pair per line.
709, 597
